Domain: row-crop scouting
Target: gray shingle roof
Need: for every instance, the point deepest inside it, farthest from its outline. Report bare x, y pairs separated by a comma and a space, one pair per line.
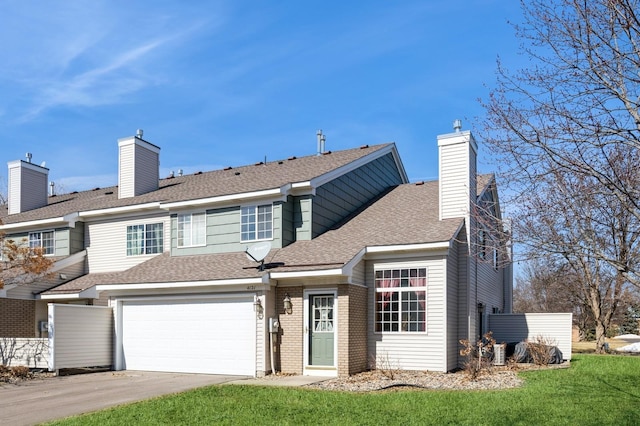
273, 174
407, 214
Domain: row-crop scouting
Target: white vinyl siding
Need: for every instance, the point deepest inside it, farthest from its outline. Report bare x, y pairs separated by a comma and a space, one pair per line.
414, 351
82, 336
457, 175
138, 164
555, 328
192, 229
106, 243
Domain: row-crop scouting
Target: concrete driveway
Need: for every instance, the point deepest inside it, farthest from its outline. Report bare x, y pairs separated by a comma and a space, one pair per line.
42, 400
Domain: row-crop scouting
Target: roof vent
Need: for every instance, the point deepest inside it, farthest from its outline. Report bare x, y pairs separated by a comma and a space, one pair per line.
321, 141
457, 125
29, 157
139, 133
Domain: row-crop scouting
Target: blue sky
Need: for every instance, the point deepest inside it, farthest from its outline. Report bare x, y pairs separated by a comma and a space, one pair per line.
226, 83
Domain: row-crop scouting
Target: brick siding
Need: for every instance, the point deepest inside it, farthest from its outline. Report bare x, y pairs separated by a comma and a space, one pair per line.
289, 356
352, 330
17, 318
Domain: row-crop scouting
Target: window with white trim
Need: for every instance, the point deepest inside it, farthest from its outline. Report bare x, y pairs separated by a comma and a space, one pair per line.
144, 239
400, 300
44, 240
256, 223
192, 229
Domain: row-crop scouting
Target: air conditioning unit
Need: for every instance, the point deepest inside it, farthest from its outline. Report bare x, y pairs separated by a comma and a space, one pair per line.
499, 352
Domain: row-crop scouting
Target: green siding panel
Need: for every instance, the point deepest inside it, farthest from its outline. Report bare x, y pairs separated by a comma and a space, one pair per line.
341, 197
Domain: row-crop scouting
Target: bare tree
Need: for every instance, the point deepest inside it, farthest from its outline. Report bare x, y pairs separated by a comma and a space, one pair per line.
20, 263
567, 131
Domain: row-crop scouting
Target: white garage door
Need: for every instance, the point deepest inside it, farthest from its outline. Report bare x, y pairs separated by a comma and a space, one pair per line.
215, 336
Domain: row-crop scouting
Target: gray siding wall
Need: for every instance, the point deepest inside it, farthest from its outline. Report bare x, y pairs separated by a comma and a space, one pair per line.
288, 229
453, 316
27, 186
339, 198
147, 171
554, 328
223, 232
76, 238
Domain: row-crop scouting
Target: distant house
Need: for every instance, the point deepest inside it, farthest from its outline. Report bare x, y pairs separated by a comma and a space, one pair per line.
351, 262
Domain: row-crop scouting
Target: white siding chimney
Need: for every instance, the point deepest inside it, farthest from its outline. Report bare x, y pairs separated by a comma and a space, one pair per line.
138, 166
457, 176
27, 186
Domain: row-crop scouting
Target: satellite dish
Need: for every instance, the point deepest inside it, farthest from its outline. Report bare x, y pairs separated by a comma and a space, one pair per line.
258, 252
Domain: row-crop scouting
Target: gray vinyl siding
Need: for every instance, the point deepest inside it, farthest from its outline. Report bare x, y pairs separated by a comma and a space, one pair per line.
359, 272
413, 351
223, 232
146, 169
76, 238
288, 233
464, 296
27, 187
340, 197
28, 291
555, 328
453, 317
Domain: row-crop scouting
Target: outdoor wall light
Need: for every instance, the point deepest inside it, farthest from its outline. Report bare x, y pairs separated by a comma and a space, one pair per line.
288, 307
257, 307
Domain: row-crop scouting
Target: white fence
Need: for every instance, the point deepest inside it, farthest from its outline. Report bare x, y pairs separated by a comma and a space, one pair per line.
80, 336
29, 352
553, 327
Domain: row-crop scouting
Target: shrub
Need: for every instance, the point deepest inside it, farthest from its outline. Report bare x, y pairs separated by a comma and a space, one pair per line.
477, 355
541, 350
20, 372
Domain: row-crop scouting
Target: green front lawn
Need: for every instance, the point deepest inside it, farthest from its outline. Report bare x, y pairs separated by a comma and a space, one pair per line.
596, 390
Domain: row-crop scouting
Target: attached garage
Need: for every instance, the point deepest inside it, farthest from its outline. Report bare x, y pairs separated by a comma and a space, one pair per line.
213, 335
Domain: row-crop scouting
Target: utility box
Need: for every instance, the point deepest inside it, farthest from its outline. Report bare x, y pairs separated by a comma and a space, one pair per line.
274, 325
499, 353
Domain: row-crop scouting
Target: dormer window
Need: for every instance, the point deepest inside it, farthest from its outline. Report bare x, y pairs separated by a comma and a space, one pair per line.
256, 223
192, 229
144, 239
44, 240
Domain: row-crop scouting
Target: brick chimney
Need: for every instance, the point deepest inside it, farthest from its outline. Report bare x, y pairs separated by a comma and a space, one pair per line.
138, 166
27, 186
